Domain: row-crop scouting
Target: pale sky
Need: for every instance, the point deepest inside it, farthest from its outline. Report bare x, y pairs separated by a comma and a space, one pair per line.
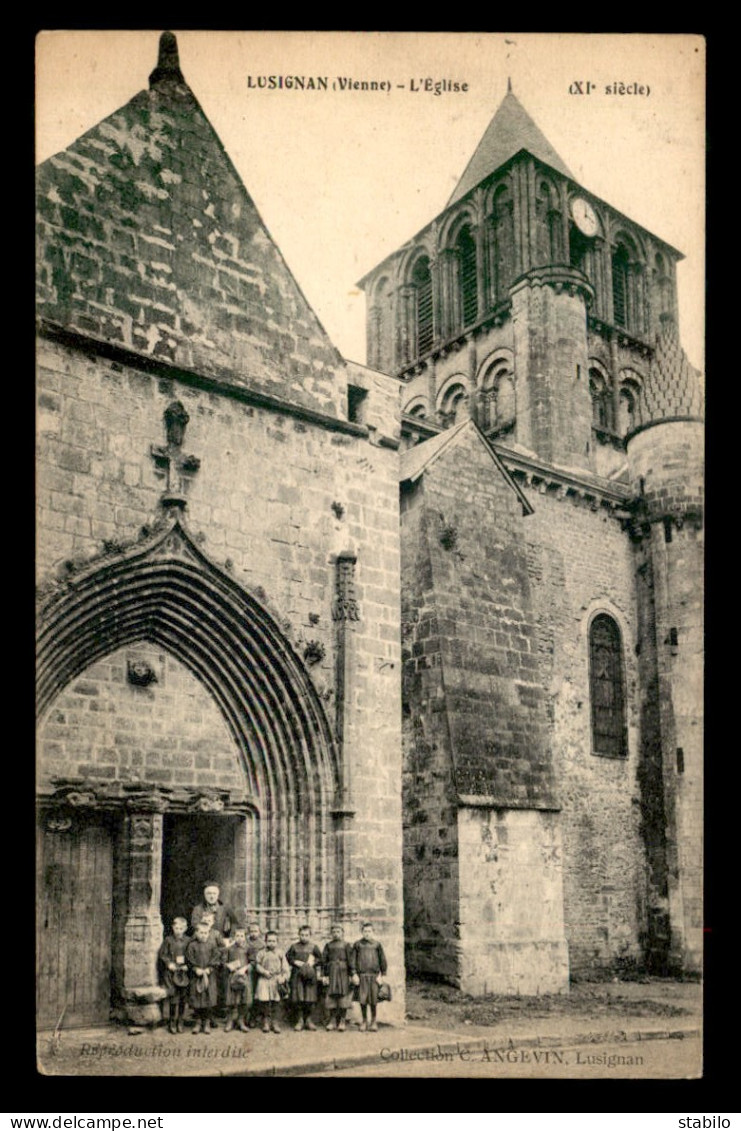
342, 179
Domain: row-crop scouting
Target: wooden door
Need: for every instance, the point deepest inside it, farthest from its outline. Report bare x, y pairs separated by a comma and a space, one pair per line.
73, 929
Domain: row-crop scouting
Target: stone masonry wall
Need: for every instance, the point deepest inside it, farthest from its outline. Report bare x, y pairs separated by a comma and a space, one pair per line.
495, 702
468, 361
511, 912
147, 238
554, 410
475, 722
171, 732
431, 880
275, 500
667, 466
581, 563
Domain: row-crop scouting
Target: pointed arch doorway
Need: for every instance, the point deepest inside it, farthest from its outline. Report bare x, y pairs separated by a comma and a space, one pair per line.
272, 835
197, 847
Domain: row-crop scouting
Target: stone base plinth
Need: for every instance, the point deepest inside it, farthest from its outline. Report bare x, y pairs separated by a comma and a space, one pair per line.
526, 969
142, 1005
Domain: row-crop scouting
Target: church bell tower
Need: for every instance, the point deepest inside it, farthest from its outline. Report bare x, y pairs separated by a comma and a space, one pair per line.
551, 579
528, 304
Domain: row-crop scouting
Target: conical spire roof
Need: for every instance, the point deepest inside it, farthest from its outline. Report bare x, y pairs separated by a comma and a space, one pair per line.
510, 130
673, 385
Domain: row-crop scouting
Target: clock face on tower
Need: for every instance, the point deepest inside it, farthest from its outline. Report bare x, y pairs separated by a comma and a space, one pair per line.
584, 216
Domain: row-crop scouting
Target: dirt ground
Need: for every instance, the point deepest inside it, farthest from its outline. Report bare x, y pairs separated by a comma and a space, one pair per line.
441, 1006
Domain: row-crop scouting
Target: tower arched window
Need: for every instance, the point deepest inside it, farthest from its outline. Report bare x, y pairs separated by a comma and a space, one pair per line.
607, 688
579, 247
417, 408
453, 405
467, 281
601, 403
620, 283
422, 282
497, 406
629, 402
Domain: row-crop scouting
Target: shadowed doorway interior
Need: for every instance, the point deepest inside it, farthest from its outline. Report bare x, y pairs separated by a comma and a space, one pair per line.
200, 847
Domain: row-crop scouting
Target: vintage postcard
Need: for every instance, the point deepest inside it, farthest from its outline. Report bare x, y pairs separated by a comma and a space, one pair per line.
370, 553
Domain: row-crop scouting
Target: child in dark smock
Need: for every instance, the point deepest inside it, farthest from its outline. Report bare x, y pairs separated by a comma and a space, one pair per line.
370, 964
222, 975
238, 970
203, 958
304, 959
254, 946
272, 972
338, 966
174, 974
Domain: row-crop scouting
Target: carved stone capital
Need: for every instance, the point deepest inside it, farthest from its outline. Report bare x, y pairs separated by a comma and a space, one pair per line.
78, 795
345, 606
345, 609
147, 803
59, 822
207, 803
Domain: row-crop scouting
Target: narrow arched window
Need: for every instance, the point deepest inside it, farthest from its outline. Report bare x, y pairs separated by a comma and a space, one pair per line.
627, 410
620, 268
607, 688
600, 395
417, 409
454, 405
467, 281
422, 281
663, 284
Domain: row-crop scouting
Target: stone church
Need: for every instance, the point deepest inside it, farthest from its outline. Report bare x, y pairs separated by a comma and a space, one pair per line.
416, 642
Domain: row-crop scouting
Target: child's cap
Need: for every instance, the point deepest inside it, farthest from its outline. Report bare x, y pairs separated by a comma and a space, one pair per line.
364, 925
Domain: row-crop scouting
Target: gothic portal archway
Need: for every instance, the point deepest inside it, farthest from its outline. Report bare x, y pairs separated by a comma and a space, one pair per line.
164, 590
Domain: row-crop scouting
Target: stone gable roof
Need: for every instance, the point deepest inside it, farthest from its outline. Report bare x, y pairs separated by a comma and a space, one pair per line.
510, 130
147, 238
415, 461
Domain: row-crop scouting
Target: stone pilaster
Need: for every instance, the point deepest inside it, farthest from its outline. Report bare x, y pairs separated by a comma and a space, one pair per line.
407, 343
345, 614
143, 926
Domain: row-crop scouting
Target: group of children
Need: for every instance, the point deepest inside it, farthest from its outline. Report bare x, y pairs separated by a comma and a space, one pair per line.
249, 976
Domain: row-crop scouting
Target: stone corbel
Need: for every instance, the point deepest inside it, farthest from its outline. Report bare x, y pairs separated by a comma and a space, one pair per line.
78, 795
341, 806
59, 822
147, 803
207, 802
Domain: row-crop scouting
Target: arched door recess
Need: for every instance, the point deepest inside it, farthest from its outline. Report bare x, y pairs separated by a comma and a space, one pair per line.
165, 590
